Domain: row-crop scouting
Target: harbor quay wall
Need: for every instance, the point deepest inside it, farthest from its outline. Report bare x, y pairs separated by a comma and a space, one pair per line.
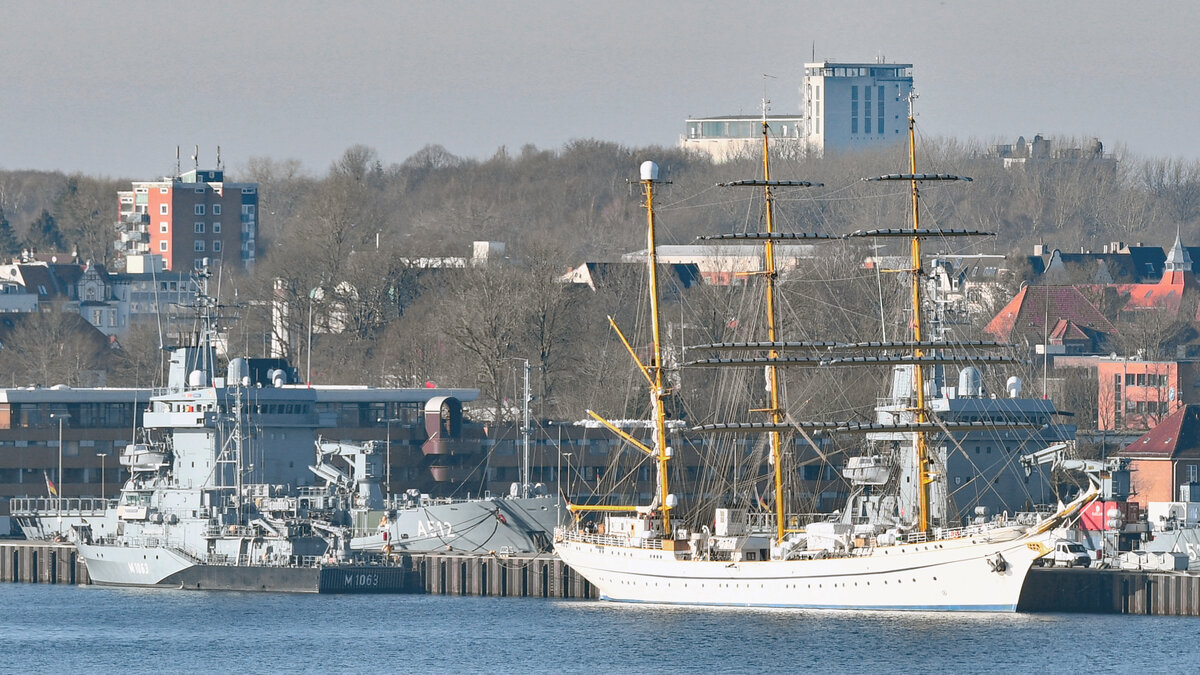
545, 576
517, 576
1111, 592
41, 563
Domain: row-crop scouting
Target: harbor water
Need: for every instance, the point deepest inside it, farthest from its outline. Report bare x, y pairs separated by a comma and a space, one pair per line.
61, 628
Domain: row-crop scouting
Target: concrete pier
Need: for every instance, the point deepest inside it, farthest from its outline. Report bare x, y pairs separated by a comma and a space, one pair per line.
41, 563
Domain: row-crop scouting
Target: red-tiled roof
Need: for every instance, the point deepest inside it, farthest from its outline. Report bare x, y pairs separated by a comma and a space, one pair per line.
1164, 295
1031, 309
1178, 436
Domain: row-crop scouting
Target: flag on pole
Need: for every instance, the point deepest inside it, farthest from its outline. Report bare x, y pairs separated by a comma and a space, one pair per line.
50, 485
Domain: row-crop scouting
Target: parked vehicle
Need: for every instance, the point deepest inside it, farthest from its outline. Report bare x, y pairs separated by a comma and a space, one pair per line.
1066, 554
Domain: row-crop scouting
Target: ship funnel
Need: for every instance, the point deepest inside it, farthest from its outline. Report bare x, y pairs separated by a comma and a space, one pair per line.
649, 171
238, 370
970, 382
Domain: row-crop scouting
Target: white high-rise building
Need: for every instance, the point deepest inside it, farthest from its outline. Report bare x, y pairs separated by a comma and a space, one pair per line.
855, 106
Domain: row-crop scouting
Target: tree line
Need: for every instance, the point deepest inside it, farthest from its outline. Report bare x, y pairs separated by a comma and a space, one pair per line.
347, 251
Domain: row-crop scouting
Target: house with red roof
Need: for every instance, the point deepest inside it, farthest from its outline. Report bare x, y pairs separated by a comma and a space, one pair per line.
1165, 458
1038, 311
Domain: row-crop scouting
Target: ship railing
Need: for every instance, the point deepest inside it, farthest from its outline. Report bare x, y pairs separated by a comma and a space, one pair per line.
759, 521
131, 542
939, 533
67, 506
569, 534
213, 531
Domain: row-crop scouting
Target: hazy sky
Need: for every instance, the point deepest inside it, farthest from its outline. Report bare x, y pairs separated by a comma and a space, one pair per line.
111, 88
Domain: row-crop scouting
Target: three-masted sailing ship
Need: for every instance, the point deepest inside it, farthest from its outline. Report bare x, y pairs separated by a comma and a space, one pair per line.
640, 554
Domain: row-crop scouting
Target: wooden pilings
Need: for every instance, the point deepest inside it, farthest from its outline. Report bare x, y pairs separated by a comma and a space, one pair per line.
517, 576
41, 563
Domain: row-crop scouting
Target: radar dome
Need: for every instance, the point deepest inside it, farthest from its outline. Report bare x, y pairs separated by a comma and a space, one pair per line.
649, 171
1013, 385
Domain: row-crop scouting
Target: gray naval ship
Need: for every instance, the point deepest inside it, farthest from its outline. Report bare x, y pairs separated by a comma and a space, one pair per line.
211, 505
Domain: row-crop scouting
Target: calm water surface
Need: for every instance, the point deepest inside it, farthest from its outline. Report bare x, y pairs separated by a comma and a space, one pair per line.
46, 628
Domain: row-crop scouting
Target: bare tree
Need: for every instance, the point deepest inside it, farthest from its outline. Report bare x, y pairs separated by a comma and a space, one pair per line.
49, 348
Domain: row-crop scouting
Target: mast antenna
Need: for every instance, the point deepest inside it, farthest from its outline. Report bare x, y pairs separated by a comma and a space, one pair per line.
766, 102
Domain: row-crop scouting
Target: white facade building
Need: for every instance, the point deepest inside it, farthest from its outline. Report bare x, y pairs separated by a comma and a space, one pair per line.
735, 136
855, 106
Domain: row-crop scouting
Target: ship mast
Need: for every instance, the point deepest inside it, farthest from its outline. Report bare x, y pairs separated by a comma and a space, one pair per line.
772, 373
924, 474
660, 452
649, 176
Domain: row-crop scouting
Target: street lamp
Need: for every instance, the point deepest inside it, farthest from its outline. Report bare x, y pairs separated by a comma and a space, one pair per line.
312, 296
562, 454
102, 456
388, 458
61, 484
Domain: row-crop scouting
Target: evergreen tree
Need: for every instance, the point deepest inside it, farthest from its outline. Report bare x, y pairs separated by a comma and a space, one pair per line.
44, 234
8, 240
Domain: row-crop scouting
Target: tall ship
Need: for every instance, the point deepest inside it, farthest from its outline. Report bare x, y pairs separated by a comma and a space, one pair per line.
890, 547
228, 490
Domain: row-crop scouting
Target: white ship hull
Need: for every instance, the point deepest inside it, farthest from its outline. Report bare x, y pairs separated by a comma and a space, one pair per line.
156, 566
132, 565
948, 575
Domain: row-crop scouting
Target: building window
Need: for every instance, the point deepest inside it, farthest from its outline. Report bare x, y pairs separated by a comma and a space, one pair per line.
216, 227
164, 228
1193, 473
163, 209
216, 209
854, 125
162, 246
198, 264
216, 246
199, 209
867, 124
199, 228
163, 191
199, 245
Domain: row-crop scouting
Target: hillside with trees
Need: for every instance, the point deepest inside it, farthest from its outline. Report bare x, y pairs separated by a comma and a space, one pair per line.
347, 250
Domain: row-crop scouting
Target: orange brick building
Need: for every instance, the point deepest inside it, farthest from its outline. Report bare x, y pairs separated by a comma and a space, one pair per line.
1165, 458
190, 217
1137, 394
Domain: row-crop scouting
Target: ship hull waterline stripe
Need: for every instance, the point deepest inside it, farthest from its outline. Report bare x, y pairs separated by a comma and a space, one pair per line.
855, 608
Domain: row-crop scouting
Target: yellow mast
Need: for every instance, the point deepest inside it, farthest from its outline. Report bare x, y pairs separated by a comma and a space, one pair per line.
772, 374
649, 176
924, 476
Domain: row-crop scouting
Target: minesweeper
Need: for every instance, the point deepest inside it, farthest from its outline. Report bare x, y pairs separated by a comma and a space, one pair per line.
212, 504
